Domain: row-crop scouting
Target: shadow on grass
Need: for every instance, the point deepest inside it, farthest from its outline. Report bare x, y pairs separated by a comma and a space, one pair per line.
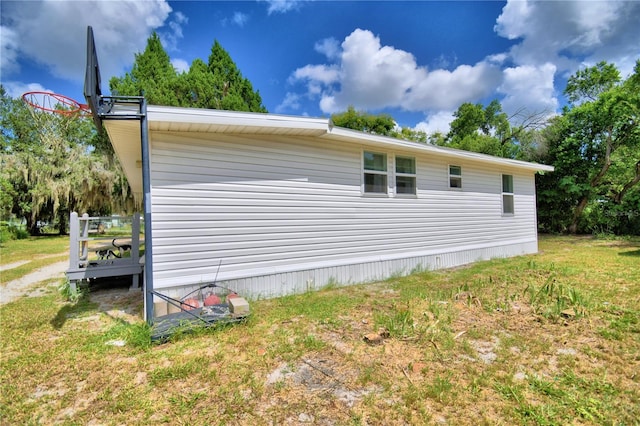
73, 310
635, 253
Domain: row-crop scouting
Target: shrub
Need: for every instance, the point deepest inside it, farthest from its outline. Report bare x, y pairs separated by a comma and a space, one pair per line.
12, 231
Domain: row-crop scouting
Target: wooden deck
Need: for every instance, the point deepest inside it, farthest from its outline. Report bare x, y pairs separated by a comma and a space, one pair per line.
93, 254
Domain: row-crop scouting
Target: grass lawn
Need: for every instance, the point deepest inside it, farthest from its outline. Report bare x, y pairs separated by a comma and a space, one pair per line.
36, 252
552, 338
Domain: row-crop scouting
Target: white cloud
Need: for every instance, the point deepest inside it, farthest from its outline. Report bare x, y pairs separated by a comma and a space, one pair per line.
171, 37
510, 23
328, 104
551, 40
291, 102
53, 33
240, 19
529, 90
569, 33
329, 47
325, 74
180, 65
446, 61
8, 50
497, 59
283, 6
371, 76
180, 18
441, 89
438, 122
15, 89
557, 38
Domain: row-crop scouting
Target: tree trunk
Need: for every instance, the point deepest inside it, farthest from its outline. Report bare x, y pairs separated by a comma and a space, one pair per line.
577, 214
34, 230
573, 228
63, 217
607, 162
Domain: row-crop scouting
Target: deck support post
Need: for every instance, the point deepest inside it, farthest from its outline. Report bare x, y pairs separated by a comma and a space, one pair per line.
74, 247
84, 235
135, 248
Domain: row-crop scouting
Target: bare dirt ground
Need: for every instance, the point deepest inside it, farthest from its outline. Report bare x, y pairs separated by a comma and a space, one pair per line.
27, 285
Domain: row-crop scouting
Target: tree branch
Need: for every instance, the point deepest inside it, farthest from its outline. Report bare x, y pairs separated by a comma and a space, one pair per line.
618, 198
607, 162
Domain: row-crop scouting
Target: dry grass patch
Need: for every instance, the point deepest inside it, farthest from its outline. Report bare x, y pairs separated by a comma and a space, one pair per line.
552, 338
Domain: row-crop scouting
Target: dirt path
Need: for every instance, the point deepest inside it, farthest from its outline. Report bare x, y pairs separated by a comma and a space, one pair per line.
8, 266
23, 286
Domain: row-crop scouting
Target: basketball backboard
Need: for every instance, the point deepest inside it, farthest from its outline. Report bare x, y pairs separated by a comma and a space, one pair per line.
92, 91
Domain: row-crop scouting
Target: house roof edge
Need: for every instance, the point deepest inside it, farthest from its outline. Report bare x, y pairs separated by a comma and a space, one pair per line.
321, 127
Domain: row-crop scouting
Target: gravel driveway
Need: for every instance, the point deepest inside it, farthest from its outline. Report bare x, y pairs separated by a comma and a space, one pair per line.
24, 286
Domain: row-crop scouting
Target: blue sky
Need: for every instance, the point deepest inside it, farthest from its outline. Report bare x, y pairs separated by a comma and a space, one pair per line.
416, 60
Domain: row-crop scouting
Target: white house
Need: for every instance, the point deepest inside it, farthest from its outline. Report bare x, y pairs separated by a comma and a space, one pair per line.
271, 205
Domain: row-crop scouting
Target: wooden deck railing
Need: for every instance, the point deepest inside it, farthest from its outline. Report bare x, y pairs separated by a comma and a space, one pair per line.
87, 240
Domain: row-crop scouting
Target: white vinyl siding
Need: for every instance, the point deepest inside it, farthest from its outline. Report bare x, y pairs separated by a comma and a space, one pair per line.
261, 205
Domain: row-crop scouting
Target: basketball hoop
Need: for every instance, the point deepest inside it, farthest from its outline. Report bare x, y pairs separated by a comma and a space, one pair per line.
55, 103
52, 112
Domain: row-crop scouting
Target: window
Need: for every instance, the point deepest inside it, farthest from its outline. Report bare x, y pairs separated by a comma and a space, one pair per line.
455, 177
507, 194
405, 175
375, 173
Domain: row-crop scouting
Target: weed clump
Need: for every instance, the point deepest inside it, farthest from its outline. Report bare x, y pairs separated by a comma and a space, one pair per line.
554, 300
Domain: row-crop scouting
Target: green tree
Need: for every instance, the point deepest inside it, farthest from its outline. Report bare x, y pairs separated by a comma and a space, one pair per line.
379, 124
152, 73
409, 134
588, 84
469, 118
482, 129
489, 130
595, 148
198, 86
232, 91
437, 138
218, 84
48, 167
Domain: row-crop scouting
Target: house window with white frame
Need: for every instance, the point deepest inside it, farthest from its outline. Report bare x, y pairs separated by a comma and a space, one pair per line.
455, 177
375, 172
405, 175
507, 195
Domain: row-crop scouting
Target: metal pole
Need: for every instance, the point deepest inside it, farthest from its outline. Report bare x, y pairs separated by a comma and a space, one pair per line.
146, 188
74, 248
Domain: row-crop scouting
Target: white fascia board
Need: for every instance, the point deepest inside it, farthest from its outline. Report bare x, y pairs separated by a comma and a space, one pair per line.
347, 135
234, 119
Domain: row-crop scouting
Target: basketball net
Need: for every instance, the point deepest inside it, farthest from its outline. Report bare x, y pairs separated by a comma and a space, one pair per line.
52, 113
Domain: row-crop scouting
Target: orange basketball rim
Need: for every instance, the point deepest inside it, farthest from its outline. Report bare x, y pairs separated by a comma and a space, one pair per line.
55, 103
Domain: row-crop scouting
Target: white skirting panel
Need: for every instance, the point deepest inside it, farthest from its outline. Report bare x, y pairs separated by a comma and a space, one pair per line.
292, 282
